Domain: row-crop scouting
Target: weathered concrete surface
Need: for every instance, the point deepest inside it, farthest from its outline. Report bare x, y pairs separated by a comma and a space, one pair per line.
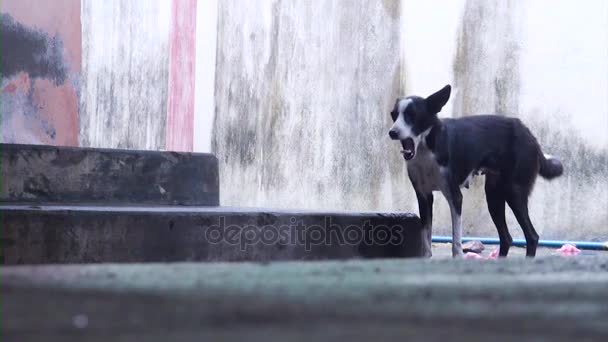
304, 88
125, 73
46, 174
204, 100
504, 63
444, 251
551, 299
302, 93
80, 234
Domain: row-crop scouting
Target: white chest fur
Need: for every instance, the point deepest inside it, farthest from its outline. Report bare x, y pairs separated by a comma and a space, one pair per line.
424, 171
427, 175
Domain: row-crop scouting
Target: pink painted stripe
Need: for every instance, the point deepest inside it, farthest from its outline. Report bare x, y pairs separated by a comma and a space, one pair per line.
182, 53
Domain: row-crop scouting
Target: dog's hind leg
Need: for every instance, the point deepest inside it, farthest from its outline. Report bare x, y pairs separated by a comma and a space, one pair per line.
495, 197
454, 198
518, 201
425, 207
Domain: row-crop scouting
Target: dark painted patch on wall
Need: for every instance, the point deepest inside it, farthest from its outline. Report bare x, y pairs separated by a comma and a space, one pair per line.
39, 85
30, 50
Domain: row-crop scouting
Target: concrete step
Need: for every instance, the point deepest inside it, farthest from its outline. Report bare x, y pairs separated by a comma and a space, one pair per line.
514, 299
89, 234
49, 174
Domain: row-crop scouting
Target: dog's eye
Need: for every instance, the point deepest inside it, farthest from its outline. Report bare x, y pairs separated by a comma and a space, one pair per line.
394, 115
408, 116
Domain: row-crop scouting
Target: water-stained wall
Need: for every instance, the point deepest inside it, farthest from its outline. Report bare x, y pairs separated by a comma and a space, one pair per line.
136, 88
125, 73
485, 67
521, 59
40, 67
302, 96
298, 92
303, 91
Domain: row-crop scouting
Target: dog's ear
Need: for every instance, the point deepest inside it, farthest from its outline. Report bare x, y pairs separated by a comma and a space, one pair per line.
437, 100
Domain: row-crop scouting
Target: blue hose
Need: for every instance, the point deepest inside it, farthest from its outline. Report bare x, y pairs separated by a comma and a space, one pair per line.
522, 242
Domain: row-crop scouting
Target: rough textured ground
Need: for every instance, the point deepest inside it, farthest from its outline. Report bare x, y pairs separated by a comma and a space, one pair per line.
549, 298
444, 250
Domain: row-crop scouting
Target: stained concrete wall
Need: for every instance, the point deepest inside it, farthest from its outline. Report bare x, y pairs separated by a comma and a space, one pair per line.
303, 91
137, 85
125, 73
519, 59
302, 96
40, 67
293, 96
204, 98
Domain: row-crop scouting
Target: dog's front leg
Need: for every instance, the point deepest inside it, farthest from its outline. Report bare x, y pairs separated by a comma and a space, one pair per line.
454, 198
425, 209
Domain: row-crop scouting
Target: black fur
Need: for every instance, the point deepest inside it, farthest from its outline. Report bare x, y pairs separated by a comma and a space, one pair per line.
500, 147
550, 168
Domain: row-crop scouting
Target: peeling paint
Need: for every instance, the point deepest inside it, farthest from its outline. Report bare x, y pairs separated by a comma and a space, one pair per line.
40, 66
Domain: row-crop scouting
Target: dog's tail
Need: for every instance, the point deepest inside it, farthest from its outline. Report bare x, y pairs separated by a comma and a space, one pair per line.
550, 167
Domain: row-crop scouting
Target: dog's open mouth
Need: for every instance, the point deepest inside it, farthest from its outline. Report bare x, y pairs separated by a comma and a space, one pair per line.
409, 148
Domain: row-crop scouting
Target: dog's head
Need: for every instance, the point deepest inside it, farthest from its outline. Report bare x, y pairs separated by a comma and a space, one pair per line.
414, 116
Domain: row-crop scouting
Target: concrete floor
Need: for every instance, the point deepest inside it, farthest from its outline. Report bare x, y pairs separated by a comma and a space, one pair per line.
548, 298
444, 250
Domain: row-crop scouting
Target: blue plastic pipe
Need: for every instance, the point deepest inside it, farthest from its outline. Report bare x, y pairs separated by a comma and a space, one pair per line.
522, 242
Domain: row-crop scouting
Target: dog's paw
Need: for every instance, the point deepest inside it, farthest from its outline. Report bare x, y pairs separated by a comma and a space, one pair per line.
456, 255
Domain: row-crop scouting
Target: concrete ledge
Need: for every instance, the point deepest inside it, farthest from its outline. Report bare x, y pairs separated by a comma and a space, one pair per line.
545, 299
85, 234
48, 174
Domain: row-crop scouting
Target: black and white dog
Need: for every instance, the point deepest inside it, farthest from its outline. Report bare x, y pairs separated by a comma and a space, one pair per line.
444, 154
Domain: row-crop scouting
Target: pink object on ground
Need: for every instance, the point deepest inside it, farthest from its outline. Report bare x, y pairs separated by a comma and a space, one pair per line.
494, 253
472, 255
568, 249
